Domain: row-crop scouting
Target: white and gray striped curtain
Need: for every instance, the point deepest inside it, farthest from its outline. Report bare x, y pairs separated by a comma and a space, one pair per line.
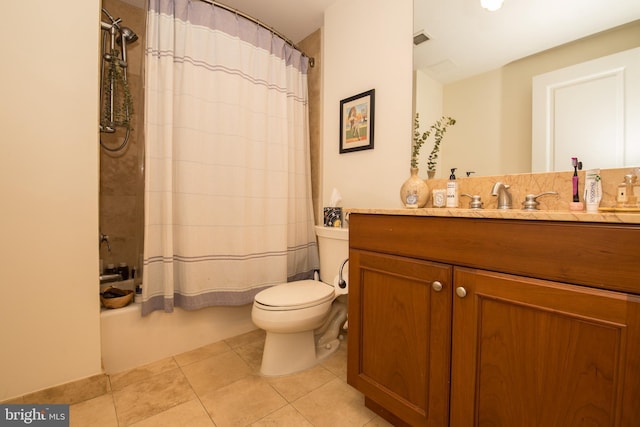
228, 208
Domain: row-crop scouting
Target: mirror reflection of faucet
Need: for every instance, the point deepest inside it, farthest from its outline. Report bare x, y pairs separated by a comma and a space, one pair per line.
476, 201
504, 197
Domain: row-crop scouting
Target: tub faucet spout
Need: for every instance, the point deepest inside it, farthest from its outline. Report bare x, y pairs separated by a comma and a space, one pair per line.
109, 278
104, 238
504, 197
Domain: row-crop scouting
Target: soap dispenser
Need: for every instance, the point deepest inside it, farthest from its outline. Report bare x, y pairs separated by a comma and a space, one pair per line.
632, 191
625, 196
452, 190
636, 188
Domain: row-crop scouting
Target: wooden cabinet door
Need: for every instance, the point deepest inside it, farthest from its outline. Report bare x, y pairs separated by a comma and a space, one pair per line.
399, 336
528, 352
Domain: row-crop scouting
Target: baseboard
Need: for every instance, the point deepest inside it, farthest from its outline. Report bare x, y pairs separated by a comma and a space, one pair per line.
69, 393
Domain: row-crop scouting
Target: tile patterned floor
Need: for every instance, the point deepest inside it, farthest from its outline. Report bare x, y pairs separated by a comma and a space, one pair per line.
220, 385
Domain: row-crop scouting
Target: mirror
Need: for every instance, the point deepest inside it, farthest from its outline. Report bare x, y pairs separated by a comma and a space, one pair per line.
488, 89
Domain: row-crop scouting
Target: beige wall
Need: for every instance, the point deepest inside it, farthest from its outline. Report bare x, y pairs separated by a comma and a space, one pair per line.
494, 109
49, 309
474, 143
367, 45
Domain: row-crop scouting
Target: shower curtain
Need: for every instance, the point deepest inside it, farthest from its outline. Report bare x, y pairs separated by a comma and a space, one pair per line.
228, 208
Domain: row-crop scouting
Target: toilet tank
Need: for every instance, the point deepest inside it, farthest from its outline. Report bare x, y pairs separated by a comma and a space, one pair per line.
333, 248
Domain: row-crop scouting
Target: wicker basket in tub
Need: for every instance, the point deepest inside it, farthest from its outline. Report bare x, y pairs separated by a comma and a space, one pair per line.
110, 300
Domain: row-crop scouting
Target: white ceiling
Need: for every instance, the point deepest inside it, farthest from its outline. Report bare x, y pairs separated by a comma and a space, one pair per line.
465, 39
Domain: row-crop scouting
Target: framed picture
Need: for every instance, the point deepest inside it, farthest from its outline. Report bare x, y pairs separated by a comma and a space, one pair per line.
356, 122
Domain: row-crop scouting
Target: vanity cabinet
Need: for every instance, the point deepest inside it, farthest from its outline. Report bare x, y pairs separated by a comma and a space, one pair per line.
540, 353
472, 322
403, 330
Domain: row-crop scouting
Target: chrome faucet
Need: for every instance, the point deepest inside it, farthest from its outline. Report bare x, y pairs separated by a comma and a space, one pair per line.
104, 238
504, 197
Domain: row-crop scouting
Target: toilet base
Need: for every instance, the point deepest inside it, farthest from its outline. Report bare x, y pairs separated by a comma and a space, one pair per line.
286, 354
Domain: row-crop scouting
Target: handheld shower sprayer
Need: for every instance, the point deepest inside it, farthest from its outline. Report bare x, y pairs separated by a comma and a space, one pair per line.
128, 35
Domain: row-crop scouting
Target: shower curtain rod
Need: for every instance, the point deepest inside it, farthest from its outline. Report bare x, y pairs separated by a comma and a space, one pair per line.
256, 21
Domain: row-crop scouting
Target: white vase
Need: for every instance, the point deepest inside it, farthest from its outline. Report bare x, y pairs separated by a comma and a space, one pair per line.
414, 192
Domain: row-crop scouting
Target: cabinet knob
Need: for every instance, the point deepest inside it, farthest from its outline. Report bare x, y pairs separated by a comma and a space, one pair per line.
437, 286
461, 292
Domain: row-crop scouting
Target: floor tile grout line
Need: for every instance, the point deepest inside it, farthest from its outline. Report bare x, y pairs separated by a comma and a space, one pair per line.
113, 399
291, 403
256, 372
150, 377
196, 393
115, 408
230, 349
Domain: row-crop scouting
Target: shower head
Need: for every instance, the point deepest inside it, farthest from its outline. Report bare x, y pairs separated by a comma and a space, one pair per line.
128, 34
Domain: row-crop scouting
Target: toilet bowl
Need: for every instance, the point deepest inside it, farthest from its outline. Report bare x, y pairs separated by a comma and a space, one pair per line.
303, 319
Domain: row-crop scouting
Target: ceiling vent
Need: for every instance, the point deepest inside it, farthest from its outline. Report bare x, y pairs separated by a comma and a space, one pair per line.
421, 37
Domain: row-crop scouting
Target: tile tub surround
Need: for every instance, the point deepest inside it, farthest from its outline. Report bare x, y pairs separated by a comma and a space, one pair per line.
551, 207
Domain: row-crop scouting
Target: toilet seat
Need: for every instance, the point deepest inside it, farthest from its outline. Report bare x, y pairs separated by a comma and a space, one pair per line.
294, 295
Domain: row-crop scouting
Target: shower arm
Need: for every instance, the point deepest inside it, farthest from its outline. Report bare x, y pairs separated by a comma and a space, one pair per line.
107, 27
114, 21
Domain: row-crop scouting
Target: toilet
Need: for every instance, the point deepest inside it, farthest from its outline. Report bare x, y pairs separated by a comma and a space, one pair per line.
303, 319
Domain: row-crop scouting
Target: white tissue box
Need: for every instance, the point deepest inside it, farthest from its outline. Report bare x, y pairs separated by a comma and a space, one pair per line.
333, 217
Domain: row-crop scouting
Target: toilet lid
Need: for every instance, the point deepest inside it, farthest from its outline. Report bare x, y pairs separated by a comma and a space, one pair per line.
300, 294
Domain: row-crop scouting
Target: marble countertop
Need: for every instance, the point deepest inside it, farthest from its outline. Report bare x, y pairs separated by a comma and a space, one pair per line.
539, 215
552, 208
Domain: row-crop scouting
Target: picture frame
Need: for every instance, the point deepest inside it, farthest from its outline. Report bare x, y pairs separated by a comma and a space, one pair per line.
356, 122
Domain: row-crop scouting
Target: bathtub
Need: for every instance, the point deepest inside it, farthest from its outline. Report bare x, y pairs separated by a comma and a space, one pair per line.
130, 340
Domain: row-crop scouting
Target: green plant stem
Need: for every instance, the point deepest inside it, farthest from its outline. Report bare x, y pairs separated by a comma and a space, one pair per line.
438, 129
122, 107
